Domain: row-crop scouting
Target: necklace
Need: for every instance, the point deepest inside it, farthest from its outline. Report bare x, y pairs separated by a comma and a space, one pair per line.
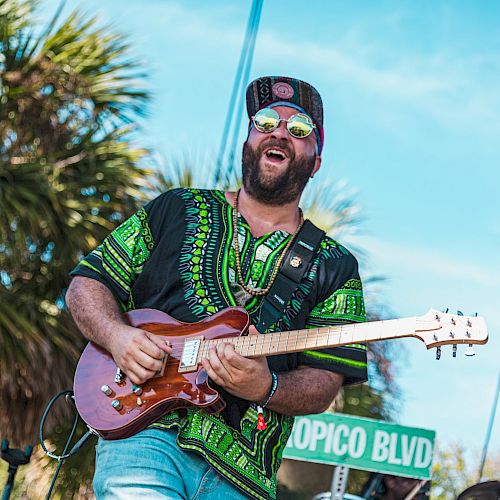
242, 291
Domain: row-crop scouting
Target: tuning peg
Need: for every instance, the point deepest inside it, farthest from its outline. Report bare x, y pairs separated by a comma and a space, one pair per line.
460, 313
438, 352
446, 310
470, 351
454, 350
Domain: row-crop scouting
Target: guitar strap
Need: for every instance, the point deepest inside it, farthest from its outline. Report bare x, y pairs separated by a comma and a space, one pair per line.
293, 268
290, 274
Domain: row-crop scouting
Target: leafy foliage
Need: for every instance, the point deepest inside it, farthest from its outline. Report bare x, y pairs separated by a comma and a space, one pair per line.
454, 470
68, 174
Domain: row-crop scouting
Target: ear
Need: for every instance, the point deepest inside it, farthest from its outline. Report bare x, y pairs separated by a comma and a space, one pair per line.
317, 165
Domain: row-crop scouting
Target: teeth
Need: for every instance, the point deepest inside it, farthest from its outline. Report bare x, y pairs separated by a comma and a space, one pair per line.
275, 152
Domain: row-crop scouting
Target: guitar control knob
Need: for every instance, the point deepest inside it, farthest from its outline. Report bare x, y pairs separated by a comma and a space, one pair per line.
106, 390
137, 390
116, 405
119, 376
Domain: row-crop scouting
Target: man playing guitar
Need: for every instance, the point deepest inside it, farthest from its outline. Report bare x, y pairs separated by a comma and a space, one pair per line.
194, 252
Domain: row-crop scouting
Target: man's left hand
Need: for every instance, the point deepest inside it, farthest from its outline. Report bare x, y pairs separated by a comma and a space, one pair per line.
245, 378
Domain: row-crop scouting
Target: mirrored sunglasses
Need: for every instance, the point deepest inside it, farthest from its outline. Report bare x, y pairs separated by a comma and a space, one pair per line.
299, 125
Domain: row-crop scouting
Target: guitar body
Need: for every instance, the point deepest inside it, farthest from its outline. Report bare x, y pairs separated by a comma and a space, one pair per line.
163, 393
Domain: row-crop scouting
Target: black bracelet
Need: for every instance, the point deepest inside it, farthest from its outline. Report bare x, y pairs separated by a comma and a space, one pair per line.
274, 387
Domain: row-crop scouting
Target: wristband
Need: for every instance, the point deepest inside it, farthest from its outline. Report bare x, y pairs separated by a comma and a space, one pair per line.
261, 423
274, 387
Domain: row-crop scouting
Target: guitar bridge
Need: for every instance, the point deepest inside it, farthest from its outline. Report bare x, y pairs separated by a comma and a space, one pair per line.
161, 371
189, 358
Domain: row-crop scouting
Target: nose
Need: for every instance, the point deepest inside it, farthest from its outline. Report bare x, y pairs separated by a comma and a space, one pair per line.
281, 131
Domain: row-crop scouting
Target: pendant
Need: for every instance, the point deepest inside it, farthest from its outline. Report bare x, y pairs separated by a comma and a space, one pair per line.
241, 296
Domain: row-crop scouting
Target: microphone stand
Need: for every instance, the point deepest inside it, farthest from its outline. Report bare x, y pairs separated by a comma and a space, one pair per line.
14, 458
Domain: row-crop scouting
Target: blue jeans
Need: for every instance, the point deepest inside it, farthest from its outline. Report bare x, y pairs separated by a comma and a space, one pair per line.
151, 465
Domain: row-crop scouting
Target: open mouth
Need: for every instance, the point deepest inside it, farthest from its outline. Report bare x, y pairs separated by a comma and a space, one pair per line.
275, 155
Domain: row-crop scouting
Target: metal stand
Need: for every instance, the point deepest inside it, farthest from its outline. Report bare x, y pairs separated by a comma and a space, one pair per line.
339, 482
14, 458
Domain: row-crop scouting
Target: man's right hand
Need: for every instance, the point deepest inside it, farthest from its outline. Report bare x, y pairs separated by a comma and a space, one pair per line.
138, 354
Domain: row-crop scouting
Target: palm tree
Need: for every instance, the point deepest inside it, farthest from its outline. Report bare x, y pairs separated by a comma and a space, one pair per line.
68, 174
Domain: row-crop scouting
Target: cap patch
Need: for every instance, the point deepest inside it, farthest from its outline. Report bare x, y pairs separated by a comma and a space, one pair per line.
283, 90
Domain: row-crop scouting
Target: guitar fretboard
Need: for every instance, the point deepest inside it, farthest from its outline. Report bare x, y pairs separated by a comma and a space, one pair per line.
252, 346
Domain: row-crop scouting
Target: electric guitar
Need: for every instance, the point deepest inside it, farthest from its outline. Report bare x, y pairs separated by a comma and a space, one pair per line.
115, 408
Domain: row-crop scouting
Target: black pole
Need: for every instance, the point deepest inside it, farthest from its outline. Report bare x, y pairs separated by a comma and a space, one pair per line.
10, 482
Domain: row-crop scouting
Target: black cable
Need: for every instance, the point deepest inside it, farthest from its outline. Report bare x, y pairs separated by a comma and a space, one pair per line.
65, 453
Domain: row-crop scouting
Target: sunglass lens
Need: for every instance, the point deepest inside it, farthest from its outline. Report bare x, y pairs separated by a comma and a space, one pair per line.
266, 120
299, 125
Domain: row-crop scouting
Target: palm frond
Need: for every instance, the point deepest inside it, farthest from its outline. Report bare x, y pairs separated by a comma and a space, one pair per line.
68, 175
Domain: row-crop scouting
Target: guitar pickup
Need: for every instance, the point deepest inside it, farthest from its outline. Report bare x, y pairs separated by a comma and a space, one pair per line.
190, 351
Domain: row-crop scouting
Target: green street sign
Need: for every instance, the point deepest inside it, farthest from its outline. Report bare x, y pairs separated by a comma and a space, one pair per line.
362, 443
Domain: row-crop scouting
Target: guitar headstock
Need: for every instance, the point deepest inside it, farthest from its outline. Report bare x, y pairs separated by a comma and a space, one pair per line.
437, 328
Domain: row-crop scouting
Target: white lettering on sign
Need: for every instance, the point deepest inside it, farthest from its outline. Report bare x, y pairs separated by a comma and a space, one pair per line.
423, 456
408, 449
339, 440
414, 450
363, 444
319, 432
338, 448
302, 434
329, 438
357, 442
332, 441
380, 450
393, 446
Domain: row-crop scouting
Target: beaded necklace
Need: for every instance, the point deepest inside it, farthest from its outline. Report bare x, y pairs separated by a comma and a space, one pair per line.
244, 291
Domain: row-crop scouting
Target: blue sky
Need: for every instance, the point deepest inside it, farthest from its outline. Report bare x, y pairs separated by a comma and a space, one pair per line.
412, 99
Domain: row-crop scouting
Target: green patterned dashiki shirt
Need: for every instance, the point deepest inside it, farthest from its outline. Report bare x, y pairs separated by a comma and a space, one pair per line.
176, 255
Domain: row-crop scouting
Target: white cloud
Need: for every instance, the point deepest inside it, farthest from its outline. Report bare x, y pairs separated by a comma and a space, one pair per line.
447, 85
428, 260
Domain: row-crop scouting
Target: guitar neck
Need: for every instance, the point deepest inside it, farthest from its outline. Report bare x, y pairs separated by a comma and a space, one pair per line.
252, 346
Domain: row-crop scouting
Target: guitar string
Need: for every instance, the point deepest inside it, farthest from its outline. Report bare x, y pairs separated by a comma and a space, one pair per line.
246, 342
321, 333
300, 336
281, 343
283, 336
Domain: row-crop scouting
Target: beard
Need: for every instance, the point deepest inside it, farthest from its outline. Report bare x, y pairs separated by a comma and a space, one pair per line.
280, 188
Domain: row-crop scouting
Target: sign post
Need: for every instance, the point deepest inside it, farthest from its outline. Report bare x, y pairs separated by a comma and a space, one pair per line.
362, 443
339, 482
